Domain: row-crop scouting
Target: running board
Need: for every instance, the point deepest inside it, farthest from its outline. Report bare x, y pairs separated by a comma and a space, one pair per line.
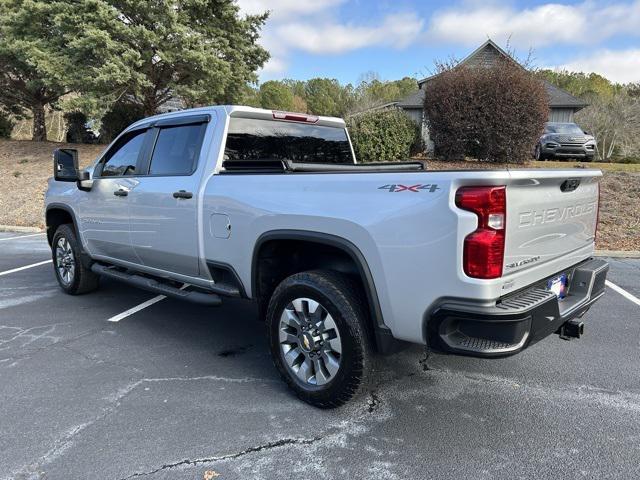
156, 286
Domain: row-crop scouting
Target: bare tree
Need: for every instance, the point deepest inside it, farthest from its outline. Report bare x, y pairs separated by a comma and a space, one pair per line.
615, 122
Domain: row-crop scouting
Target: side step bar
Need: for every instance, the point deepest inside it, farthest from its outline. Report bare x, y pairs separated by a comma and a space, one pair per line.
155, 286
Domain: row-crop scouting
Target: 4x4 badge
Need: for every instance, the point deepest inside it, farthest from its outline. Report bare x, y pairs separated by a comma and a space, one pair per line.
431, 187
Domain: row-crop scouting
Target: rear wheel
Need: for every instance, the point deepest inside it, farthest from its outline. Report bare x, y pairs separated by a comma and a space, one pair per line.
318, 339
74, 278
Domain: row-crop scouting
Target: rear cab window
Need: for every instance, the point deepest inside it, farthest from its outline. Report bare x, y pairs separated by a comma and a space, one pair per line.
256, 140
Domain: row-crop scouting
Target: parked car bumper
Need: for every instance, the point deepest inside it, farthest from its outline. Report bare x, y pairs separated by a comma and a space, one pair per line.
556, 150
517, 321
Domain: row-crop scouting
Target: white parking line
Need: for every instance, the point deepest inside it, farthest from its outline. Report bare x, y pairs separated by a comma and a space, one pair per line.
21, 236
137, 308
7, 272
142, 306
623, 292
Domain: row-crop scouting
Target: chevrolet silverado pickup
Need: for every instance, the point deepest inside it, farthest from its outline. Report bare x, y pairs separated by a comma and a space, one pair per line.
344, 260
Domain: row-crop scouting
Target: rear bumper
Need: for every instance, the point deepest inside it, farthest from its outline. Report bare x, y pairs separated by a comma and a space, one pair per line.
517, 321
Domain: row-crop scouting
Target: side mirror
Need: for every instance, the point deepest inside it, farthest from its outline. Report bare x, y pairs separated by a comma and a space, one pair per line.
65, 165
85, 183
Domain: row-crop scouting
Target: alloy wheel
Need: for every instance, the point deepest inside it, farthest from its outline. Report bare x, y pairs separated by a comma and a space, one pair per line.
65, 261
310, 342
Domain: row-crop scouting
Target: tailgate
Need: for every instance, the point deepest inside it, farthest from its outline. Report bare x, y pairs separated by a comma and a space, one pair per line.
549, 214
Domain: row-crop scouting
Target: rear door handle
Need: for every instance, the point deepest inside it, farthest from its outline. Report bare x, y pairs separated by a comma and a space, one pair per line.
182, 194
121, 193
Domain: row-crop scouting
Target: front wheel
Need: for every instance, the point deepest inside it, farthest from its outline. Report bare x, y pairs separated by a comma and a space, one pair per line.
319, 343
74, 278
539, 156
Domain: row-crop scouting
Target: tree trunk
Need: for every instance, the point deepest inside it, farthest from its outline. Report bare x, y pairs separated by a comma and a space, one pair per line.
149, 104
39, 125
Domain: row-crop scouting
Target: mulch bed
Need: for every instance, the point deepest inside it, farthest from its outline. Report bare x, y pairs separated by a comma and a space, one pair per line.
25, 167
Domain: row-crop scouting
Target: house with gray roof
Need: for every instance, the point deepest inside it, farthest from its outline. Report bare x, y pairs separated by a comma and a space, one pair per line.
562, 105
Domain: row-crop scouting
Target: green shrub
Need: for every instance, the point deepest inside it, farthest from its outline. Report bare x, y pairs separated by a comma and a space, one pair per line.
383, 136
120, 116
6, 126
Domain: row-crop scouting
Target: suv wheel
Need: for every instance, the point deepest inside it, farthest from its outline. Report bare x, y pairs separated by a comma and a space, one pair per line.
318, 339
538, 153
74, 278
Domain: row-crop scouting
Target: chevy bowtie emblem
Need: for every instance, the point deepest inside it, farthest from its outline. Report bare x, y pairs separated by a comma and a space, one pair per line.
306, 342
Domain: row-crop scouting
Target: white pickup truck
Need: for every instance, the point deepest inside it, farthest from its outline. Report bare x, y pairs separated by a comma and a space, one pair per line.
344, 260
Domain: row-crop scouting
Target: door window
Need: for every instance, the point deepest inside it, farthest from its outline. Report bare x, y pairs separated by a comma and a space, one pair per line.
121, 160
177, 149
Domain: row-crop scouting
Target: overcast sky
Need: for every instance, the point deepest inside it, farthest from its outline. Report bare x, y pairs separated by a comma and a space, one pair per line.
344, 39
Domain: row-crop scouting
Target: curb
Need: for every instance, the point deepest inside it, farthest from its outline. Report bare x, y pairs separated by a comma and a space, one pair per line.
618, 253
14, 228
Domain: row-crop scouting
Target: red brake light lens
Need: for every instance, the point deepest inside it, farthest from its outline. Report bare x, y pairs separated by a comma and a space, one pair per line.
483, 251
294, 117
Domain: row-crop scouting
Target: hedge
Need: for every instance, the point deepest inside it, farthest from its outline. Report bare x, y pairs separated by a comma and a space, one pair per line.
383, 135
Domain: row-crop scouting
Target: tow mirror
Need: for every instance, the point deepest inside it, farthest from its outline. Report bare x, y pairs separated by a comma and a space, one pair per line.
65, 168
65, 165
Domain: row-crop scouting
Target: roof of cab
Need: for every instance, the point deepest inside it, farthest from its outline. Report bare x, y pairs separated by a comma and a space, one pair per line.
237, 111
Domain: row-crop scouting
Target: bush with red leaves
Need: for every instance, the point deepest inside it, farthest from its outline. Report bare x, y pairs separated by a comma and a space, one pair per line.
494, 113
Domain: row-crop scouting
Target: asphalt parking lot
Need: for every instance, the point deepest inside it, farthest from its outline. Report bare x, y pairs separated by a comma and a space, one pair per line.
178, 391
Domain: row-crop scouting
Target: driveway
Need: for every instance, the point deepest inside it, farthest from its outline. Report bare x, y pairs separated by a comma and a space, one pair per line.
179, 391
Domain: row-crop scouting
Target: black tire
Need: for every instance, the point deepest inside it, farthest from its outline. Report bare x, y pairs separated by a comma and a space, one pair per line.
538, 155
81, 279
340, 298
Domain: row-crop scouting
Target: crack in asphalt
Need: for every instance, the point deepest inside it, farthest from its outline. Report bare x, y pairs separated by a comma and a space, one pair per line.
424, 362
373, 402
60, 342
611, 399
373, 407
231, 456
100, 361
65, 441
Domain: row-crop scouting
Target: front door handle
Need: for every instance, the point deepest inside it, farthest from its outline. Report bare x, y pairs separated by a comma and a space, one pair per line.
121, 193
182, 194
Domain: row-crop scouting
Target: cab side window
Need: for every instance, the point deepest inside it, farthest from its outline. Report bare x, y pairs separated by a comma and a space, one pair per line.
121, 160
177, 149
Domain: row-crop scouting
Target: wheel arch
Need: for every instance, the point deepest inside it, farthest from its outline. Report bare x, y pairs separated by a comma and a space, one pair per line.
57, 214
385, 343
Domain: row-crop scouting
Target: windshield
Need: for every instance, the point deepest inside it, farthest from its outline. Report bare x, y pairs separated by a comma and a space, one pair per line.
569, 128
250, 139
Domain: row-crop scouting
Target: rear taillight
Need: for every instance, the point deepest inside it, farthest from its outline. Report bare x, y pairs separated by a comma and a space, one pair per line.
294, 117
483, 252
